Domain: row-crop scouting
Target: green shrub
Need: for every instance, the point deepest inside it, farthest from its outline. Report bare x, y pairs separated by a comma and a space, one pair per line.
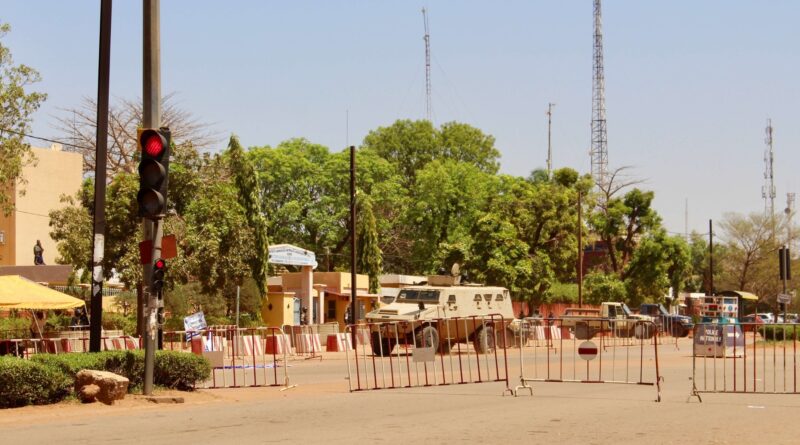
15, 327
115, 321
180, 370
176, 370
24, 382
778, 333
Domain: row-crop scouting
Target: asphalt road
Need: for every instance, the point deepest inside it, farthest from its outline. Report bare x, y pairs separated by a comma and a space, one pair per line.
321, 410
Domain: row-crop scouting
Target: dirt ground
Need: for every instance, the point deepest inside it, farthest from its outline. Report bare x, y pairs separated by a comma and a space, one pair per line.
320, 409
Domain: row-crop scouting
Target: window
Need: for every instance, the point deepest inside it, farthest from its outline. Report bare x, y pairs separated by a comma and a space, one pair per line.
2, 237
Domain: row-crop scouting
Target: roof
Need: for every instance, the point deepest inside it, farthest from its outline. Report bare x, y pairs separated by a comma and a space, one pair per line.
17, 292
740, 293
55, 274
346, 293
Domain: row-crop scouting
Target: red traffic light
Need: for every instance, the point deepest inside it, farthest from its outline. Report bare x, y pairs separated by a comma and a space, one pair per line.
160, 264
153, 143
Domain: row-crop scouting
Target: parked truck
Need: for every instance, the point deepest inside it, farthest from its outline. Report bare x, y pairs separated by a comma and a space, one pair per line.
672, 324
611, 317
441, 313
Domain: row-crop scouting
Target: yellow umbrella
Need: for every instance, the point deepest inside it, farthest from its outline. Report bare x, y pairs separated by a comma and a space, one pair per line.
20, 293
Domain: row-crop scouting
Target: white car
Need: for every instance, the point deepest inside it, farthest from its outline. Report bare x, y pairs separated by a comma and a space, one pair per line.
766, 317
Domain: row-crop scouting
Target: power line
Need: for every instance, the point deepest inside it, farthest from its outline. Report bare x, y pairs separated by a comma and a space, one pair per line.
18, 133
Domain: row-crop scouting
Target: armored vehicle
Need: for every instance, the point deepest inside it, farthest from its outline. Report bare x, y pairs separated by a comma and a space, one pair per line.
443, 312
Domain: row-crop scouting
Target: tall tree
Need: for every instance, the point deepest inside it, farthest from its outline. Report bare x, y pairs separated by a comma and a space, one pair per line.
246, 180
79, 125
16, 108
369, 252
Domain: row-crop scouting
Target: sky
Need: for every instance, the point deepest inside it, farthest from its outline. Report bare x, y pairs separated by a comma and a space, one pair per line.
689, 84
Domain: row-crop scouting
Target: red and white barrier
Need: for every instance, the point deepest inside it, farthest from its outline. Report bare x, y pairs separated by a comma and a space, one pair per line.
339, 343
308, 343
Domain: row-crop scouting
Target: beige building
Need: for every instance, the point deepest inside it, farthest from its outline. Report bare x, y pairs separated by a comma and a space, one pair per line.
54, 173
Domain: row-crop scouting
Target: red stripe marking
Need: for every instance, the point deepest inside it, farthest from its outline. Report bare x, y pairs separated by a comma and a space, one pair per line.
592, 351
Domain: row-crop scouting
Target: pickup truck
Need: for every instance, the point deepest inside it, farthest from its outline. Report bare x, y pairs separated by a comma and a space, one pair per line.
611, 317
673, 324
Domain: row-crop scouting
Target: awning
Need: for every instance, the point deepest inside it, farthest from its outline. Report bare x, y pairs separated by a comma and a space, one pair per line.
19, 293
740, 293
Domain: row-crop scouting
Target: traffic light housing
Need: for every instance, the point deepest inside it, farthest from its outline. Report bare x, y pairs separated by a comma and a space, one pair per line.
154, 146
159, 270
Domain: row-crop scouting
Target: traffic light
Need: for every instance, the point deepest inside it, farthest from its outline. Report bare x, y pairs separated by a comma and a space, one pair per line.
154, 145
159, 269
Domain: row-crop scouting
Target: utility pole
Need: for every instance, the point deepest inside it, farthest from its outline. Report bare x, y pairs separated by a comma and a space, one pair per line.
599, 150
151, 93
549, 146
711, 257
427, 38
101, 144
580, 251
353, 294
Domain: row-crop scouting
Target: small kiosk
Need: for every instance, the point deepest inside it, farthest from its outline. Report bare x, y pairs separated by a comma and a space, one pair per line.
719, 333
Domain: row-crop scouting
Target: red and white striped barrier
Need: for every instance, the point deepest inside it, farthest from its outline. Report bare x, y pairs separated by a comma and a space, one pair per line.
308, 343
339, 343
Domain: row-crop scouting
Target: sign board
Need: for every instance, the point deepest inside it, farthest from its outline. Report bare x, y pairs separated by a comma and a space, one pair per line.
422, 355
193, 324
718, 340
784, 298
587, 350
291, 255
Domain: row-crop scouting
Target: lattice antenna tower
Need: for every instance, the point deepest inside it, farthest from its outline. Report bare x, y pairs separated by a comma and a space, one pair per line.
427, 39
599, 150
768, 189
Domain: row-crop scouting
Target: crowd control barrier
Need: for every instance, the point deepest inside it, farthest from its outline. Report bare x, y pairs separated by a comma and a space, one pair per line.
239, 357
588, 350
446, 351
745, 358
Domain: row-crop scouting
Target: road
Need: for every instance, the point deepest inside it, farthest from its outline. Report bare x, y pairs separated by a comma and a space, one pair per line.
321, 410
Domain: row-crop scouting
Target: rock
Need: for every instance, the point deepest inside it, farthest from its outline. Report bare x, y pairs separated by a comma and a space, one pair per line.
110, 386
88, 394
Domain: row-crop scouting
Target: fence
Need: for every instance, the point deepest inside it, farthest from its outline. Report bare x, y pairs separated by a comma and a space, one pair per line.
429, 353
588, 350
25, 347
239, 356
745, 358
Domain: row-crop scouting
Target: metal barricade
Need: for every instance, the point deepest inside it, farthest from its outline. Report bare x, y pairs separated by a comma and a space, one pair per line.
429, 353
239, 357
589, 350
305, 340
745, 358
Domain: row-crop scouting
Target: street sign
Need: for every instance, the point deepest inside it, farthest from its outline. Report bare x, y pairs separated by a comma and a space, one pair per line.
784, 298
587, 350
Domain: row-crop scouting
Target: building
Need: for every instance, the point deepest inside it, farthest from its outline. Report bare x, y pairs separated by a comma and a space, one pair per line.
53, 174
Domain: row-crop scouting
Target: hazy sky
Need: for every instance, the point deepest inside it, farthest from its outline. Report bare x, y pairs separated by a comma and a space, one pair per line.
689, 83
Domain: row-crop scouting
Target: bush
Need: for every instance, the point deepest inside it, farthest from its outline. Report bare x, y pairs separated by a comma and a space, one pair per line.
15, 327
778, 333
175, 370
24, 382
115, 321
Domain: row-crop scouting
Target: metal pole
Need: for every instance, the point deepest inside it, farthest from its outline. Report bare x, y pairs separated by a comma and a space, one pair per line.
710, 257
353, 300
151, 93
549, 148
96, 323
237, 306
580, 251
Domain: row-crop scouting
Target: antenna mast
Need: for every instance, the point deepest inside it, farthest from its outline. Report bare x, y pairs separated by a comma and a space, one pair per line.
549, 147
427, 66
599, 150
768, 189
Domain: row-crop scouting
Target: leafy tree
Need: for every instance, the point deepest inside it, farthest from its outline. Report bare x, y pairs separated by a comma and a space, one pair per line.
16, 108
369, 252
250, 197
659, 262
499, 256
600, 287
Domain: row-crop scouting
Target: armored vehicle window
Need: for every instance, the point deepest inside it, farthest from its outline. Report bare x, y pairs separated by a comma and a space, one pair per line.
451, 299
499, 297
416, 295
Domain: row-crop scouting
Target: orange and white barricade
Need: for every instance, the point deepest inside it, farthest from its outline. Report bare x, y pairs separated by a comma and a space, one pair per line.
339, 343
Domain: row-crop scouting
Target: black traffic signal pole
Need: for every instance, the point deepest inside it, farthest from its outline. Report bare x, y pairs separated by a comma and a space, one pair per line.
151, 86
98, 241
353, 299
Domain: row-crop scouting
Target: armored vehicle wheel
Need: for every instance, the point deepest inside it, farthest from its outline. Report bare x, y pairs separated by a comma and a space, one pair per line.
428, 337
381, 346
507, 339
484, 340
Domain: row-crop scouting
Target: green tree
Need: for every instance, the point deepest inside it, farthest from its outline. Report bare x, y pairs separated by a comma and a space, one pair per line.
369, 252
250, 197
16, 108
600, 287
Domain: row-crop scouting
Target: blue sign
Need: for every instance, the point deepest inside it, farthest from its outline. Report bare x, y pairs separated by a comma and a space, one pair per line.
193, 324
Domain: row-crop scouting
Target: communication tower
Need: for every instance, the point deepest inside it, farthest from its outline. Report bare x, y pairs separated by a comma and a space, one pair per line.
599, 150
